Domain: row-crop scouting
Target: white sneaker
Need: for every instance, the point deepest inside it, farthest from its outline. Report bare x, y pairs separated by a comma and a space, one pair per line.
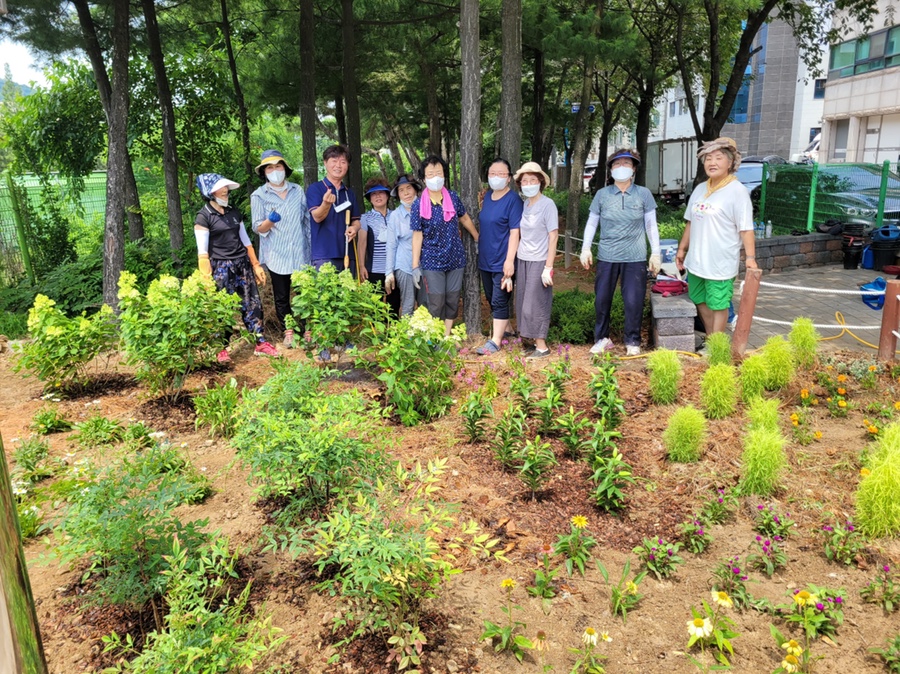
632, 350
604, 344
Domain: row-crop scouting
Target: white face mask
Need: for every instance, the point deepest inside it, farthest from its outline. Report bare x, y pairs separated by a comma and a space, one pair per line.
275, 177
222, 202
530, 190
622, 173
497, 183
435, 184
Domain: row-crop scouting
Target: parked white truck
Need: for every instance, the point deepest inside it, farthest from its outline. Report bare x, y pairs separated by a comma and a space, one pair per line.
671, 167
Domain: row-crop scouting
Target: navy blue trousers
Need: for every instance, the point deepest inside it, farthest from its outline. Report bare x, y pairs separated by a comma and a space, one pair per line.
634, 289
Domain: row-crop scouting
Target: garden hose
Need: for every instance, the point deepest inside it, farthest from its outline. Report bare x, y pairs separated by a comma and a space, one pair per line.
839, 319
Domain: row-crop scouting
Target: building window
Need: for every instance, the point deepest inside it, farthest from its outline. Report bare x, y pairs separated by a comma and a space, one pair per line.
865, 54
741, 104
671, 108
819, 88
813, 132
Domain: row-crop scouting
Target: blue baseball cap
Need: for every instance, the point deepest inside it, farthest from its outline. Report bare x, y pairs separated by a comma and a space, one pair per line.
624, 154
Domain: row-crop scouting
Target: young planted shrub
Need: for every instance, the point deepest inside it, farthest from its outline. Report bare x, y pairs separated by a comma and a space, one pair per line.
29, 456
48, 420
611, 474
718, 391
547, 407
174, 328
604, 389
804, 340
571, 428
510, 433
524, 390
763, 461
779, 360
685, 434
475, 411
718, 348
216, 407
763, 414
877, 503
61, 348
754, 374
665, 373
536, 458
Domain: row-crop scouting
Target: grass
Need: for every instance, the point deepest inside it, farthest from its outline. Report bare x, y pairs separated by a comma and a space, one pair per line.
718, 391
685, 435
665, 373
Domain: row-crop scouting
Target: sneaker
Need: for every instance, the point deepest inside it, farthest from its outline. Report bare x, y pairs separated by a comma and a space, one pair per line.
537, 354
732, 324
325, 356
265, 349
289, 339
528, 350
602, 345
489, 347
223, 356
631, 350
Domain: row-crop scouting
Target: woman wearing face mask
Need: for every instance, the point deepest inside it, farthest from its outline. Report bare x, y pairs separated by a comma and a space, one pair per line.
538, 234
501, 211
627, 216
398, 250
280, 217
439, 258
224, 252
373, 235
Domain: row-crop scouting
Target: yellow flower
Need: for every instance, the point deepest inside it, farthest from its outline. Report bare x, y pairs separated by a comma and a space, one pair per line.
804, 393
508, 583
793, 648
605, 636
699, 627
815, 401
631, 587
818, 435
842, 378
842, 403
579, 521
795, 417
841, 390
803, 598
864, 472
897, 405
540, 641
828, 399
873, 430
795, 423
589, 638
790, 664
722, 599
872, 368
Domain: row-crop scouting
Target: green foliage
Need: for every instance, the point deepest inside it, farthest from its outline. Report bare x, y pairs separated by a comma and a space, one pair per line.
336, 310
29, 456
843, 543
560, 372
415, 363
890, 654
763, 413
536, 459
877, 505
659, 557
123, 524
547, 408
48, 420
611, 474
216, 407
544, 580
665, 374
524, 391
718, 391
721, 634
695, 536
207, 631
98, 431
767, 555
475, 410
602, 442
509, 436
754, 375
718, 348
719, 508
13, 325
31, 520
604, 390
804, 340
685, 434
508, 637
576, 545
769, 523
731, 579
779, 360
572, 318
61, 348
173, 328
818, 610
762, 462
624, 597
884, 590
571, 427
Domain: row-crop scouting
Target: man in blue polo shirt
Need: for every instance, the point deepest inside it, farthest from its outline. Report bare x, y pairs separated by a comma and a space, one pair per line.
329, 201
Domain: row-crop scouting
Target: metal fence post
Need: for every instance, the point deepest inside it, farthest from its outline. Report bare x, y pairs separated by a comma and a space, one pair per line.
814, 185
882, 193
21, 649
762, 192
19, 220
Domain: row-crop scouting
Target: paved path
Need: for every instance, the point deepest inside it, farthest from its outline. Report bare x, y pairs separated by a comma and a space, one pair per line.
786, 305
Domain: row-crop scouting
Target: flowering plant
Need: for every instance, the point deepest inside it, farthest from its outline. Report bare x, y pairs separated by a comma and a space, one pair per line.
720, 508
576, 545
819, 610
507, 638
884, 590
770, 523
659, 556
843, 543
624, 596
695, 536
589, 662
769, 555
712, 629
731, 579
475, 410
797, 657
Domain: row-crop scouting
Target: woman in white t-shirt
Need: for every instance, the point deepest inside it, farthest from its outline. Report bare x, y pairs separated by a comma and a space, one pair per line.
719, 219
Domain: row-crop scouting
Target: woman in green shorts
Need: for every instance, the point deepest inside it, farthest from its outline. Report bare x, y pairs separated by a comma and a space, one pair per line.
719, 219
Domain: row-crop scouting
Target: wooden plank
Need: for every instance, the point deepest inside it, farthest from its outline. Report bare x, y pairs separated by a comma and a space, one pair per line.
887, 343
745, 313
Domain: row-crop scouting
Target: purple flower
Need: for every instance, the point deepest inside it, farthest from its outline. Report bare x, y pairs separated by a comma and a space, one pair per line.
699, 532
767, 542
827, 528
886, 568
743, 577
567, 347
721, 500
838, 600
504, 342
760, 507
735, 570
651, 556
820, 606
850, 527
669, 552
759, 538
660, 541
796, 591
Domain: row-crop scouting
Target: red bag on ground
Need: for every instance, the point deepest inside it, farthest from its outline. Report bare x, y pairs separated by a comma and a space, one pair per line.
667, 287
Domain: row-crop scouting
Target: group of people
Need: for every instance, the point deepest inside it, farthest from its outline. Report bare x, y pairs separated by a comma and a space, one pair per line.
415, 251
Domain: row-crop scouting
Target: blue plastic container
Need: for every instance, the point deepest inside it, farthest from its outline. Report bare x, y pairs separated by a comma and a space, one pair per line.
889, 233
868, 258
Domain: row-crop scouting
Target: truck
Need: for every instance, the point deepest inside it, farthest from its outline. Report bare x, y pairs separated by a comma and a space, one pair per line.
670, 169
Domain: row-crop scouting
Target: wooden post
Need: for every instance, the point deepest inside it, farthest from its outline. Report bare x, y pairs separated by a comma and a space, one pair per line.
887, 343
745, 313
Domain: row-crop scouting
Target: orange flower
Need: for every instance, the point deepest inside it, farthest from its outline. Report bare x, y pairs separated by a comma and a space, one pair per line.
842, 390
804, 393
864, 472
873, 430
818, 435
842, 378
872, 368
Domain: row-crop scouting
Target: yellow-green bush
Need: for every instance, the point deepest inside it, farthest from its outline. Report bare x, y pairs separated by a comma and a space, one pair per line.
804, 340
665, 373
685, 434
878, 494
718, 391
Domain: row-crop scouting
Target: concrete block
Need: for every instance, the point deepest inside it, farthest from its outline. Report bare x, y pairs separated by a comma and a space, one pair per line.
775, 251
799, 259
791, 248
807, 247
674, 326
674, 342
833, 244
678, 306
782, 261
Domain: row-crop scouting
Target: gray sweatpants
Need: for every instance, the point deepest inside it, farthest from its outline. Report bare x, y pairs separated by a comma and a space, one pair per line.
408, 292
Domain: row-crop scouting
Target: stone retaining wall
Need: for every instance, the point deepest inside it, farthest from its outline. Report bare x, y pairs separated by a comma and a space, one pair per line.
795, 252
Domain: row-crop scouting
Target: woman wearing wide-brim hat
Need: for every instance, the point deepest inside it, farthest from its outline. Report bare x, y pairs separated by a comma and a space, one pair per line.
398, 250
281, 219
536, 253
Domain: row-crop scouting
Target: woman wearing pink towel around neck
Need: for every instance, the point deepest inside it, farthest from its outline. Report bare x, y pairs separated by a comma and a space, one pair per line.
438, 256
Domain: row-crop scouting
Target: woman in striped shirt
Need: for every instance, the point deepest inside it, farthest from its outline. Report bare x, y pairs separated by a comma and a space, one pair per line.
281, 219
374, 223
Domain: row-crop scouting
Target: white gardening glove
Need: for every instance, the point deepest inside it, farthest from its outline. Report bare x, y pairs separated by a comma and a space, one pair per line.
389, 283
547, 276
417, 277
506, 284
655, 263
586, 259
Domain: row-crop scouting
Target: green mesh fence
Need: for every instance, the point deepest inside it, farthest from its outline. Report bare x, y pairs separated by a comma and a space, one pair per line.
800, 197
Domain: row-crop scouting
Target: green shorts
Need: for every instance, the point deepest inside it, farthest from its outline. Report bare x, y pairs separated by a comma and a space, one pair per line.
713, 293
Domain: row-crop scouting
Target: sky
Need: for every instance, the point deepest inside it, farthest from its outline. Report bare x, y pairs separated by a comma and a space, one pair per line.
25, 68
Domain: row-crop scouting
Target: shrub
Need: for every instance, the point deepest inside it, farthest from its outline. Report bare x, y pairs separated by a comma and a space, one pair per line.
536, 458
763, 414
877, 505
510, 433
611, 474
763, 461
718, 348
174, 328
685, 434
665, 373
754, 374
804, 340
48, 420
572, 318
294, 388
718, 391
474, 411
216, 407
61, 348
29, 456
570, 426
779, 363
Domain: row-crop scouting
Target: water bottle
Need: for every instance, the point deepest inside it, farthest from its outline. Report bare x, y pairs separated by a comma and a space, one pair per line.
769, 229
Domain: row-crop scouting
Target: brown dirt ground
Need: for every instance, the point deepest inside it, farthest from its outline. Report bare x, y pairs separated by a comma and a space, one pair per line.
818, 488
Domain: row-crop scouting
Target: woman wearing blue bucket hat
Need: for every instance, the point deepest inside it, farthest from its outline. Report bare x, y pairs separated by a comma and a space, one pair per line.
373, 236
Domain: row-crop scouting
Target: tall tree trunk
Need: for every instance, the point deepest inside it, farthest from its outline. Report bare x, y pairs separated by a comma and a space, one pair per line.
511, 92
537, 109
308, 114
434, 108
117, 156
549, 135
340, 118
95, 54
238, 94
470, 154
348, 67
642, 126
170, 152
394, 146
